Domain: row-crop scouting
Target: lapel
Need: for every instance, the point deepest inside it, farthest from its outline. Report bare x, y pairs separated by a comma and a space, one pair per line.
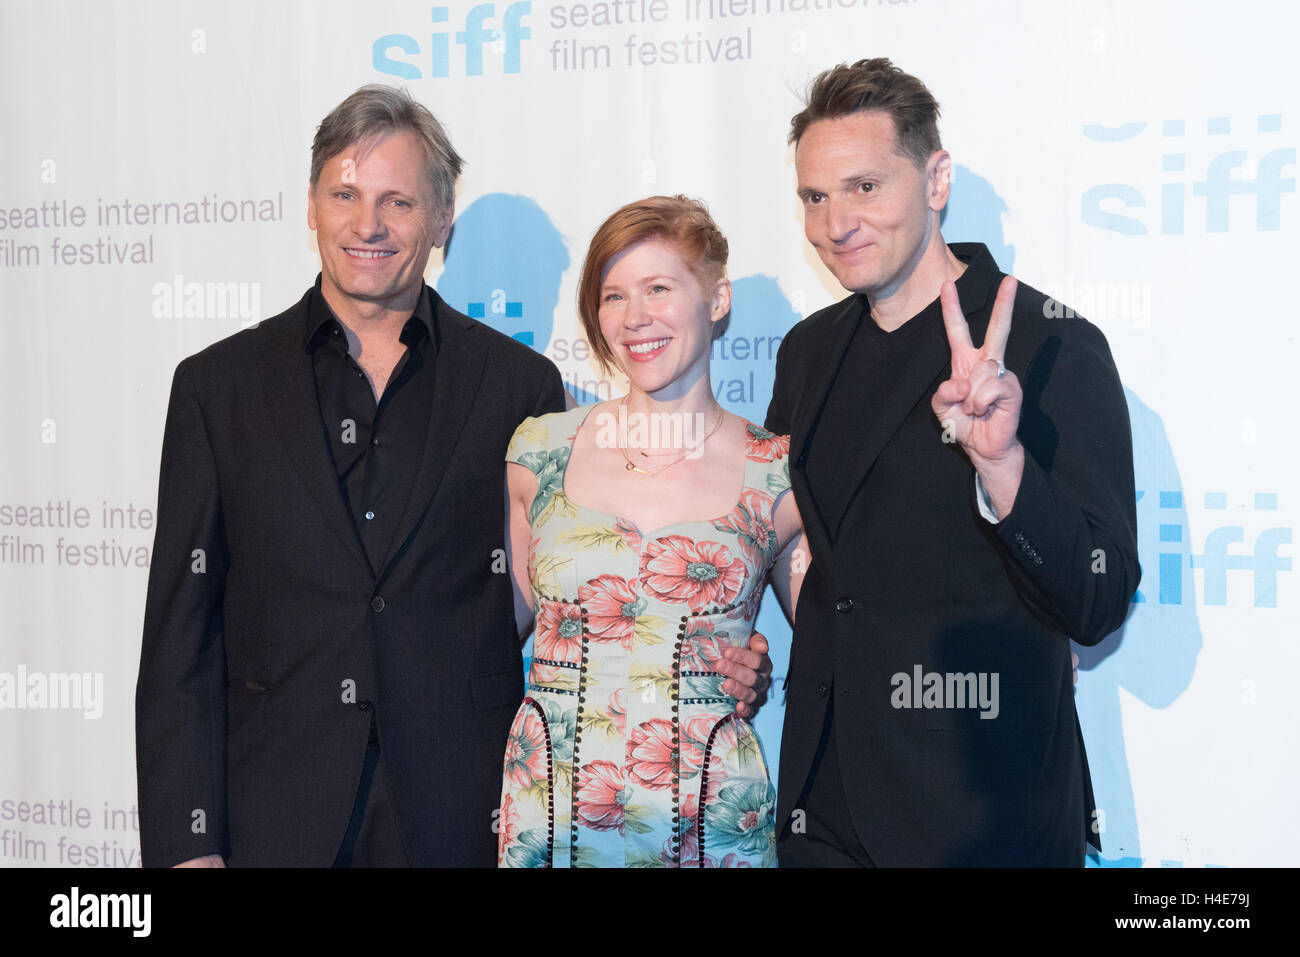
457, 371
842, 326
914, 382
289, 384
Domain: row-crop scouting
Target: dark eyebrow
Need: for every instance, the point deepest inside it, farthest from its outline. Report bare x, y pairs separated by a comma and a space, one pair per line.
859, 177
847, 181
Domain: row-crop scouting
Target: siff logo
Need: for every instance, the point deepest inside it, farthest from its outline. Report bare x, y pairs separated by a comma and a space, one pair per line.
501, 307
1263, 561
505, 39
1228, 173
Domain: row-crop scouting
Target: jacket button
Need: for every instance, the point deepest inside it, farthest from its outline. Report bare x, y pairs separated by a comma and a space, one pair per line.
823, 689
364, 704
844, 605
376, 604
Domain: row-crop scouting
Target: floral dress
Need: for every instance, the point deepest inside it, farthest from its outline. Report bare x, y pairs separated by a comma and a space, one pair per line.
625, 751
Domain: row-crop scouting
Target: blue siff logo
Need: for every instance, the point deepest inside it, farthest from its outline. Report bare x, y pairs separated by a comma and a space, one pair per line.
1262, 561
502, 307
1228, 173
507, 39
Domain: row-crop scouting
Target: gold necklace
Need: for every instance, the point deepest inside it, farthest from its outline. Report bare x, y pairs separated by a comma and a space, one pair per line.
633, 467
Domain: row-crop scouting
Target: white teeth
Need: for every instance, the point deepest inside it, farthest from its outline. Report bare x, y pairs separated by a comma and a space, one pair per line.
370, 253
648, 346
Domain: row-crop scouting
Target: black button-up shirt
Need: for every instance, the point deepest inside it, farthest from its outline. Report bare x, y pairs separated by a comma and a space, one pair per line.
377, 446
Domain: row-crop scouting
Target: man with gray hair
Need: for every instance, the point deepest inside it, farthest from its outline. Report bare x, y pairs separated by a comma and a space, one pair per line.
330, 662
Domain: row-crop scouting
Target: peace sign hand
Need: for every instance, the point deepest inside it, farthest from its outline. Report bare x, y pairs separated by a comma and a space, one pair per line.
979, 405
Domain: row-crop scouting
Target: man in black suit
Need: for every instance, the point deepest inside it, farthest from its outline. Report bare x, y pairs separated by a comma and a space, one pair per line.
330, 660
329, 665
969, 510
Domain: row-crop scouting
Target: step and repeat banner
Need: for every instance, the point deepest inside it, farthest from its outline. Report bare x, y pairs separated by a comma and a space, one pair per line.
1137, 160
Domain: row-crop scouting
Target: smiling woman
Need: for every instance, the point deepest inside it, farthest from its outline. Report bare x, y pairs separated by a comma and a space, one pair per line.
628, 750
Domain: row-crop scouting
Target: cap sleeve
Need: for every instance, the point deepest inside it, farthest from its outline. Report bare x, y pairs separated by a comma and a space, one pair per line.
528, 444
772, 452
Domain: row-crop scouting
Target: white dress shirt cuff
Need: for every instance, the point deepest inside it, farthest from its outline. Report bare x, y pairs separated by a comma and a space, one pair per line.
985, 505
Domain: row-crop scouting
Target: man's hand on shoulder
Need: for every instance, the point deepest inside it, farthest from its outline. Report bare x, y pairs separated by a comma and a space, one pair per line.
749, 672
212, 860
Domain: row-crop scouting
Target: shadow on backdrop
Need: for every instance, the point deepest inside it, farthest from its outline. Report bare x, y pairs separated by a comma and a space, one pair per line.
1153, 656
503, 265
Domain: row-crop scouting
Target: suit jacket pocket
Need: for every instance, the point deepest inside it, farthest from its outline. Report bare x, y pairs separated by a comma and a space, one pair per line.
498, 690
247, 686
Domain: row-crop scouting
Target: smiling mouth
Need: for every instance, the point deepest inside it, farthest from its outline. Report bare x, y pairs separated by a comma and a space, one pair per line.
851, 252
369, 253
648, 349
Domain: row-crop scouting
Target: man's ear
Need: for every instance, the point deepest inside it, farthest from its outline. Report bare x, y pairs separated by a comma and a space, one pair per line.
939, 179
311, 208
442, 224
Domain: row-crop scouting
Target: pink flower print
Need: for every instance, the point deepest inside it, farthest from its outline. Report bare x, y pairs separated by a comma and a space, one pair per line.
559, 632
629, 532
612, 607
602, 794
762, 446
690, 838
678, 569
526, 751
695, 738
653, 759
752, 525
508, 825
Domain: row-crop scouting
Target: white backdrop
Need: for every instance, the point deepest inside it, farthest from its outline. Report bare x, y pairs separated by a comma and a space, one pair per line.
1137, 160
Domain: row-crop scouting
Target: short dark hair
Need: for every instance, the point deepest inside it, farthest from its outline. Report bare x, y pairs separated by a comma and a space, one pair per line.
377, 110
875, 85
681, 222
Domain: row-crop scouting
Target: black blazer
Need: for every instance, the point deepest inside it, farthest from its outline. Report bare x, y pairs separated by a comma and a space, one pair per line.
910, 574
268, 639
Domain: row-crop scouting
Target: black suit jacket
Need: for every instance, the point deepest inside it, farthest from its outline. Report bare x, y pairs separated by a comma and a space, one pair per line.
908, 573
268, 639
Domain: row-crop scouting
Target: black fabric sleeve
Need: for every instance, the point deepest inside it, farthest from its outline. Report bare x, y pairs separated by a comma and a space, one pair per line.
780, 410
181, 693
1072, 532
